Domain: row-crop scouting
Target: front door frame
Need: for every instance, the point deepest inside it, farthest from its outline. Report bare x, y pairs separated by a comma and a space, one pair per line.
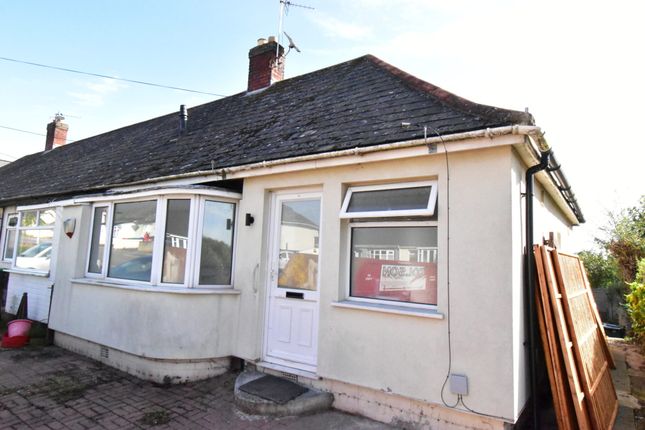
272, 264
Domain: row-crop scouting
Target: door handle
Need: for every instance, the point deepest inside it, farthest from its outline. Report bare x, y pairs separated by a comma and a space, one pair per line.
294, 295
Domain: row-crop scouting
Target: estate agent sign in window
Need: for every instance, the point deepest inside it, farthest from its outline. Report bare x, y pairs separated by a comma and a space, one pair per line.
393, 244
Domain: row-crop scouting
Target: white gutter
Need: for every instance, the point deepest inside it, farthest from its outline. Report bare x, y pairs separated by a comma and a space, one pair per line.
226, 171
532, 147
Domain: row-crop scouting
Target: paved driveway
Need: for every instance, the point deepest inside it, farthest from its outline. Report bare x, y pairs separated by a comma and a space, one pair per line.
51, 388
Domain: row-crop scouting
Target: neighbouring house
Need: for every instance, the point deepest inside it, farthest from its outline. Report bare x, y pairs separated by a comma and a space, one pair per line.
354, 227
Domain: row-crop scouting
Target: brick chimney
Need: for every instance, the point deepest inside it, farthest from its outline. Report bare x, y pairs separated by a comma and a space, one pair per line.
56, 133
264, 70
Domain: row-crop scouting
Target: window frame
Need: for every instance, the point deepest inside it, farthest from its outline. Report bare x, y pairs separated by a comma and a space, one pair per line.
54, 228
5, 236
429, 210
385, 224
108, 239
388, 219
193, 253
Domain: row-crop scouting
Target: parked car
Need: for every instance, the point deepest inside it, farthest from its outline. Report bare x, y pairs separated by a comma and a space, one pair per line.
137, 269
37, 257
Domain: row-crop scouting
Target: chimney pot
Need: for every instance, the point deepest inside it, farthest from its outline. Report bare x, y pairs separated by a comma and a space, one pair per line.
261, 41
56, 133
271, 39
266, 64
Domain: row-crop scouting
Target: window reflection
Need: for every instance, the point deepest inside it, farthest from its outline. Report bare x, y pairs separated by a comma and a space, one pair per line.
217, 243
99, 237
176, 241
34, 249
132, 240
395, 263
299, 241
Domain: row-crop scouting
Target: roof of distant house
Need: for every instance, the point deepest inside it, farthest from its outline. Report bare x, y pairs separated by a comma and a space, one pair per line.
358, 103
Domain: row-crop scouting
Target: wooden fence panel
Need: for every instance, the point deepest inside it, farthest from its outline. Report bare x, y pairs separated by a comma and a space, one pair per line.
562, 401
587, 337
576, 393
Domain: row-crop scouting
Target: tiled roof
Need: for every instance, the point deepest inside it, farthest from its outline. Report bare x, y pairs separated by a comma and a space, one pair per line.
358, 103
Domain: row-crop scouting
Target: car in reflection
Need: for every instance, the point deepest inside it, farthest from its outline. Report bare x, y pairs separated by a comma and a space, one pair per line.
137, 269
37, 257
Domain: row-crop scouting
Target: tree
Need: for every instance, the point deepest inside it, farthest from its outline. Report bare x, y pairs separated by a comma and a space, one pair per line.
602, 271
625, 240
636, 303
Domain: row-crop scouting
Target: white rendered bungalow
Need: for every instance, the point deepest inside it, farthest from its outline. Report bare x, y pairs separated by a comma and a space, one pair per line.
354, 227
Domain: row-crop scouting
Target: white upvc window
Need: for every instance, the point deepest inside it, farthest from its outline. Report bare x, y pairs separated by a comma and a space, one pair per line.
393, 244
32, 239
394, 200
178, 240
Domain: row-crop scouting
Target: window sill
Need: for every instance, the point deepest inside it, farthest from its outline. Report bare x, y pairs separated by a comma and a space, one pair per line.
389, 309
159, 289
27, 272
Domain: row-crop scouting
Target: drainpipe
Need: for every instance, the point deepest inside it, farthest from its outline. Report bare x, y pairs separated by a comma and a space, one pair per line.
529, 272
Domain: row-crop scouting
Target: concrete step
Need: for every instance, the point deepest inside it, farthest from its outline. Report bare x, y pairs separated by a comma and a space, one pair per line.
311, 401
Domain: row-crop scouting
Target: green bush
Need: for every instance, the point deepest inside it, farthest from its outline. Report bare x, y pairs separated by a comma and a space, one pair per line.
635, 302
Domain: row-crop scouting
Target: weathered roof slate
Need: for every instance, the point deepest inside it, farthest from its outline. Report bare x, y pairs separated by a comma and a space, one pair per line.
358, 103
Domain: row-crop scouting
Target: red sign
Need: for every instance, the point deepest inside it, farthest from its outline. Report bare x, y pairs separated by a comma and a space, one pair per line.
395, 280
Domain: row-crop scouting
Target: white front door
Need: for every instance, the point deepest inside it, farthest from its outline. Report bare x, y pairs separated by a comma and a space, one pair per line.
291, 337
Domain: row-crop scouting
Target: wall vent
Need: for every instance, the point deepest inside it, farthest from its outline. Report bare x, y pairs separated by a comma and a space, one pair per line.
105, 352
290, 376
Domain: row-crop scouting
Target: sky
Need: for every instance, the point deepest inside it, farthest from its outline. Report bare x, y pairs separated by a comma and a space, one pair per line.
578, 66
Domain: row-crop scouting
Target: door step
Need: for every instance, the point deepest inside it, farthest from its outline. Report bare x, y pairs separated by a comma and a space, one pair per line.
261, 394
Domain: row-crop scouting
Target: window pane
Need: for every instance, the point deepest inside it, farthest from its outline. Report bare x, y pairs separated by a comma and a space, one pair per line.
217, 243
99, 236
46, 217
299, 238
176, 242
13, 220
34, 249
28, 218
132, 240
389, 200
395, 263
10, 244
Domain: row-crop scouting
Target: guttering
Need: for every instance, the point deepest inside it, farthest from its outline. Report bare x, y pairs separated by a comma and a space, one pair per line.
529, 274
534, 134
556, 175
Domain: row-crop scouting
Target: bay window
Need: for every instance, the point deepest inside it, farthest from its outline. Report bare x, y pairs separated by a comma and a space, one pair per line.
172, 240
393, 243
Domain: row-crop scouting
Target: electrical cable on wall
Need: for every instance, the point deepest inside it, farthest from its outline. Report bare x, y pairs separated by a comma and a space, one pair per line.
445, 150
460, 398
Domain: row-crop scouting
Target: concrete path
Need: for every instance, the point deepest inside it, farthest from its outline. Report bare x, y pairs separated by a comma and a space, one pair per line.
49, 388
627, 378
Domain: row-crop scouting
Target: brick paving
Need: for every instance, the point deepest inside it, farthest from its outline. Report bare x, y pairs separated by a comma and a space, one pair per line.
50, 388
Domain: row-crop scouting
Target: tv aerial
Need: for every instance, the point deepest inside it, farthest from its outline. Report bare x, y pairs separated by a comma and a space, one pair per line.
284, 10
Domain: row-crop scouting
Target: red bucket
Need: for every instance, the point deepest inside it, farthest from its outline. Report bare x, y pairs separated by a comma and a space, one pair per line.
18, 328
14, 342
